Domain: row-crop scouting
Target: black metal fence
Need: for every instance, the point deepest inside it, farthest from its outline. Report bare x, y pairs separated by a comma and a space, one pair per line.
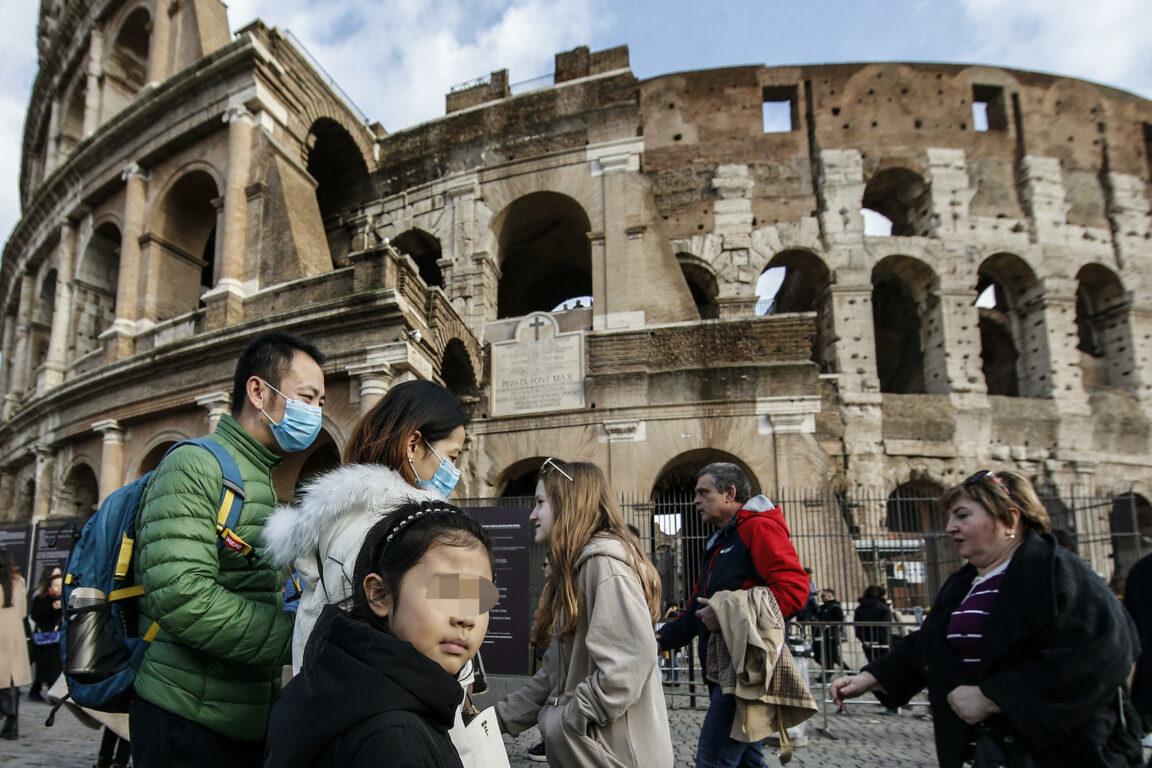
851, 540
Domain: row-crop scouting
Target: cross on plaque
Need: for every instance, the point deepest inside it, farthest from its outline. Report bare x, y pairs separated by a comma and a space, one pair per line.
536, 324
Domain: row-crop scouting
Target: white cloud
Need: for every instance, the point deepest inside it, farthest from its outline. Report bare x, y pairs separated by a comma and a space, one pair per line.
18, 63
1109, 41
398, 58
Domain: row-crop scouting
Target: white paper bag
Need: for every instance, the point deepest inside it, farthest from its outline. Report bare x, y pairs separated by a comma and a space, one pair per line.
479, 743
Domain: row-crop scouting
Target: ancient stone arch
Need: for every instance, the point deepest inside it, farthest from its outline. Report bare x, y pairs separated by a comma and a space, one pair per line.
149, 457
458, 372
805, 288
182, 239
544, 254
424, 249
94, 287
519, 478
126, 59
1013, 340
908, 327
902, 197
1107, 359
79, 493
702, 284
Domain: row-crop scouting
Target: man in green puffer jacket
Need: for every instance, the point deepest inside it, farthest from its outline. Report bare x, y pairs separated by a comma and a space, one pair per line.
210, 676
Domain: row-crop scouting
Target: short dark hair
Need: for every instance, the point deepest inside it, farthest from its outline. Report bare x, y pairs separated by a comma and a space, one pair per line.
415, 528
268, 356
381, 435
726, 475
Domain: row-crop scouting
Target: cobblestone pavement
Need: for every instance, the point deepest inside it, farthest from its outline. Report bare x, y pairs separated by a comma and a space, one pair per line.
862, 738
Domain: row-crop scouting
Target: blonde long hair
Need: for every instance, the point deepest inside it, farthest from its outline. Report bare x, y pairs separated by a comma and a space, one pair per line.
582, 506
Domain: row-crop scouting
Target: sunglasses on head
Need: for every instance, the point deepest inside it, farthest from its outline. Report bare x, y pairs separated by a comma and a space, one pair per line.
975, 479
550, 465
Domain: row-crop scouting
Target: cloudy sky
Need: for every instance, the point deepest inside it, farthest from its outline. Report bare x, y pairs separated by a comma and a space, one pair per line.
397, 58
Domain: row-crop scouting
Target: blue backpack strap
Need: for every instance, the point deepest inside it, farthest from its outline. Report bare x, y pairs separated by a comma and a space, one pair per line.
231, 499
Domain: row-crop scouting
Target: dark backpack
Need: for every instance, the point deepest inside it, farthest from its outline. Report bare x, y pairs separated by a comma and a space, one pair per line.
101, 647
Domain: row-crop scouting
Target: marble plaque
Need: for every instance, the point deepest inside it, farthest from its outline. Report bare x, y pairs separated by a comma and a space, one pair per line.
540, 369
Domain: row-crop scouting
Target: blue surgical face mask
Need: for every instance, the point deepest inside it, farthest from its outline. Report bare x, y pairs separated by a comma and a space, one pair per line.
443, 480
300, 425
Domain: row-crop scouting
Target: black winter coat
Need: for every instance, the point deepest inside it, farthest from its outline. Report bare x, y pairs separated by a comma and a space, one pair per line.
1138, 601
364, 699
1058, 647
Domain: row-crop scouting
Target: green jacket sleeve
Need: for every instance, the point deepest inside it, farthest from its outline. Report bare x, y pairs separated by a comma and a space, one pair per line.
179, 567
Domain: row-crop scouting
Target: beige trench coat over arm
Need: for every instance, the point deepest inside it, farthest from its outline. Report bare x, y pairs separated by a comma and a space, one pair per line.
14, 666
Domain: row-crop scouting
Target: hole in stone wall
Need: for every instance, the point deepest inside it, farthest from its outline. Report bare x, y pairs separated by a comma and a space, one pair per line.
425, 251
797, 281
989, 112
701, 284
545, 257
778, 111
901, 196
1103, 329
901, 318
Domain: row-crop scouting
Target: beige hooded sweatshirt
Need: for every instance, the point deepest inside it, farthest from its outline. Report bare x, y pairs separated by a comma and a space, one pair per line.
597, 697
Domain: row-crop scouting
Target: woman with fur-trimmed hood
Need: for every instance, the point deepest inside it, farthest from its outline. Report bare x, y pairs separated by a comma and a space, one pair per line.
403, 450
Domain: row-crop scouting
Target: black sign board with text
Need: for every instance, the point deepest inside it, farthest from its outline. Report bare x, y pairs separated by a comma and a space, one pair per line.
53, 543
15, 537
505, 646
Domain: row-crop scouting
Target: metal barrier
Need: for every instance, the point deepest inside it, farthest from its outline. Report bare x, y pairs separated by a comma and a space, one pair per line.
824, 651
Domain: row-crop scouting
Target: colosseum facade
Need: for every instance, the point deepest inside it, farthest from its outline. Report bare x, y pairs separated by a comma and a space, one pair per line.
578, 260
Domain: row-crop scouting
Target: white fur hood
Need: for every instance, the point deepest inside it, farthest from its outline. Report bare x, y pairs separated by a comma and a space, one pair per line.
295, 530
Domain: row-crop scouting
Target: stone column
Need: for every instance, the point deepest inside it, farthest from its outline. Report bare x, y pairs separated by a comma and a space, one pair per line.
45, 482
95, 74
372, 381
127, 289
62, 315
217, 404
7, 350
52, 148
226, 299
111, 456
22, 345
610, 295
160, 43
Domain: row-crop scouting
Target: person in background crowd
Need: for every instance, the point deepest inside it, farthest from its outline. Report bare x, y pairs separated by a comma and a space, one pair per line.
378, 686
45, 613
210, 676
752, 547
826, 640
1138, 601
1025, 653
597, 699
15, 670
812, 605
403, 450
873, 607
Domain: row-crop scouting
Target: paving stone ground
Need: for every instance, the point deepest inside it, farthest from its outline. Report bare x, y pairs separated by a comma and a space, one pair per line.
861, 738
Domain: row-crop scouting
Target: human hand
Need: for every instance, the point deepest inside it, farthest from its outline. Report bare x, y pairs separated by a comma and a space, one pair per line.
970, 704
708, 615
850, 687
55, 605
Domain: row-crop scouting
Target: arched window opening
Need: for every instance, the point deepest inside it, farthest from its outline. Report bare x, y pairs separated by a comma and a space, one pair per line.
94, 293
519, 479
72, 119
186, 244
908, 328
152, 459
1104, 333
26, 500
42, 320
1012, 329
342, 181
801, 282
1131, 521
80, 493
701, 284
545, 257
458, 374
902, 197
126, 70
918, 556
675, 521
425, 251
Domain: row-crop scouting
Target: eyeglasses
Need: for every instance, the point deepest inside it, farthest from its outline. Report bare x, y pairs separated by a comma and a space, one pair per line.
551, 464
986, 473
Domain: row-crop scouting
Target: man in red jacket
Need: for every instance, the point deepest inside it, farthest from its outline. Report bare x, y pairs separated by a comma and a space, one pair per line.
752, 548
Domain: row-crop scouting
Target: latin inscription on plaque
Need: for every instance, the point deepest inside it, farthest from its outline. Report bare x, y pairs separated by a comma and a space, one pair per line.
540, 370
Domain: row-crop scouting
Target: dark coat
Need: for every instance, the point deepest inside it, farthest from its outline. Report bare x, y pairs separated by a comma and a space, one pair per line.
1138, 601
872, 609
363, 699
1058, 647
